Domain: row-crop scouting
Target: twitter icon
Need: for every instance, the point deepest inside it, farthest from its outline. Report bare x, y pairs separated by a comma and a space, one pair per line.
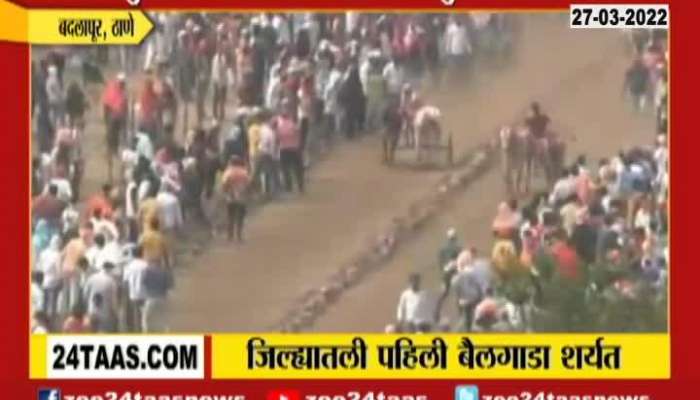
467, 392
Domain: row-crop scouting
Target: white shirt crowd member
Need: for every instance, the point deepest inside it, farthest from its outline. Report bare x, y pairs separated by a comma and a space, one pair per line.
394, 77
330, 95
133, 278
414, 307
170, 210
456, 40
481, 19
267, 144
49, 263
103, 283
563, 188
219, 73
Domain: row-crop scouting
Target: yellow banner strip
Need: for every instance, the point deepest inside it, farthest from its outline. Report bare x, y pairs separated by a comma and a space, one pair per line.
13, 23
72, 27
307, 356
38, 357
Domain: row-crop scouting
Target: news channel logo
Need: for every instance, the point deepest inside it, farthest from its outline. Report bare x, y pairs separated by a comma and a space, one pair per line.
467, 392
49, 394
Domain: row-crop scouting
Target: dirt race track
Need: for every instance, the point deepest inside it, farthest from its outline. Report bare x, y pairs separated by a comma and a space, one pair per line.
294, 244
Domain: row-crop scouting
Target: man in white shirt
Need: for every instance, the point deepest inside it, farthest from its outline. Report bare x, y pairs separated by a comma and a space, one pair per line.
274, 88
219, 81
365, 67
104, 284
104, 226
265, 169
661, 154
133, 282
281, 26
415, 312
352, 19
312, 26
323, 59
563, 188
100, 253
170, 210
49, 263
144, 146
65, 192
330, 98
480, 19
70, 219
394, 77
457, 44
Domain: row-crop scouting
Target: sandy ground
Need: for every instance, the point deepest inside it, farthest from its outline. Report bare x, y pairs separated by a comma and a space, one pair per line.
583, 98
294, 244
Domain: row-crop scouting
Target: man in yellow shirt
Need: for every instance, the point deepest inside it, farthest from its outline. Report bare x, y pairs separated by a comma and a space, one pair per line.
503, 256
148, 211
74, 250
154, 245
254, 131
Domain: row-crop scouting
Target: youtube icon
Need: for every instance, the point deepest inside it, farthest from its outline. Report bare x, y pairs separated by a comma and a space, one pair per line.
284, 395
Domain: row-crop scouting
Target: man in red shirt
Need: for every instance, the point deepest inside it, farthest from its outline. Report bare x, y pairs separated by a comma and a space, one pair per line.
101, 201
48, 206
566, 258
114, 103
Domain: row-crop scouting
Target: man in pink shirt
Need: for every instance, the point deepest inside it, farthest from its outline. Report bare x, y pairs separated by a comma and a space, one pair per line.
289, 141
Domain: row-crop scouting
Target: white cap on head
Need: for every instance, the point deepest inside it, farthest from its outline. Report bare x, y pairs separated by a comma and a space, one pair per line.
121, 76
452, 233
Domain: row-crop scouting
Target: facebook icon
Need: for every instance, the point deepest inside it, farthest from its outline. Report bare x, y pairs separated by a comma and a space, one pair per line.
467, 392
49, 394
